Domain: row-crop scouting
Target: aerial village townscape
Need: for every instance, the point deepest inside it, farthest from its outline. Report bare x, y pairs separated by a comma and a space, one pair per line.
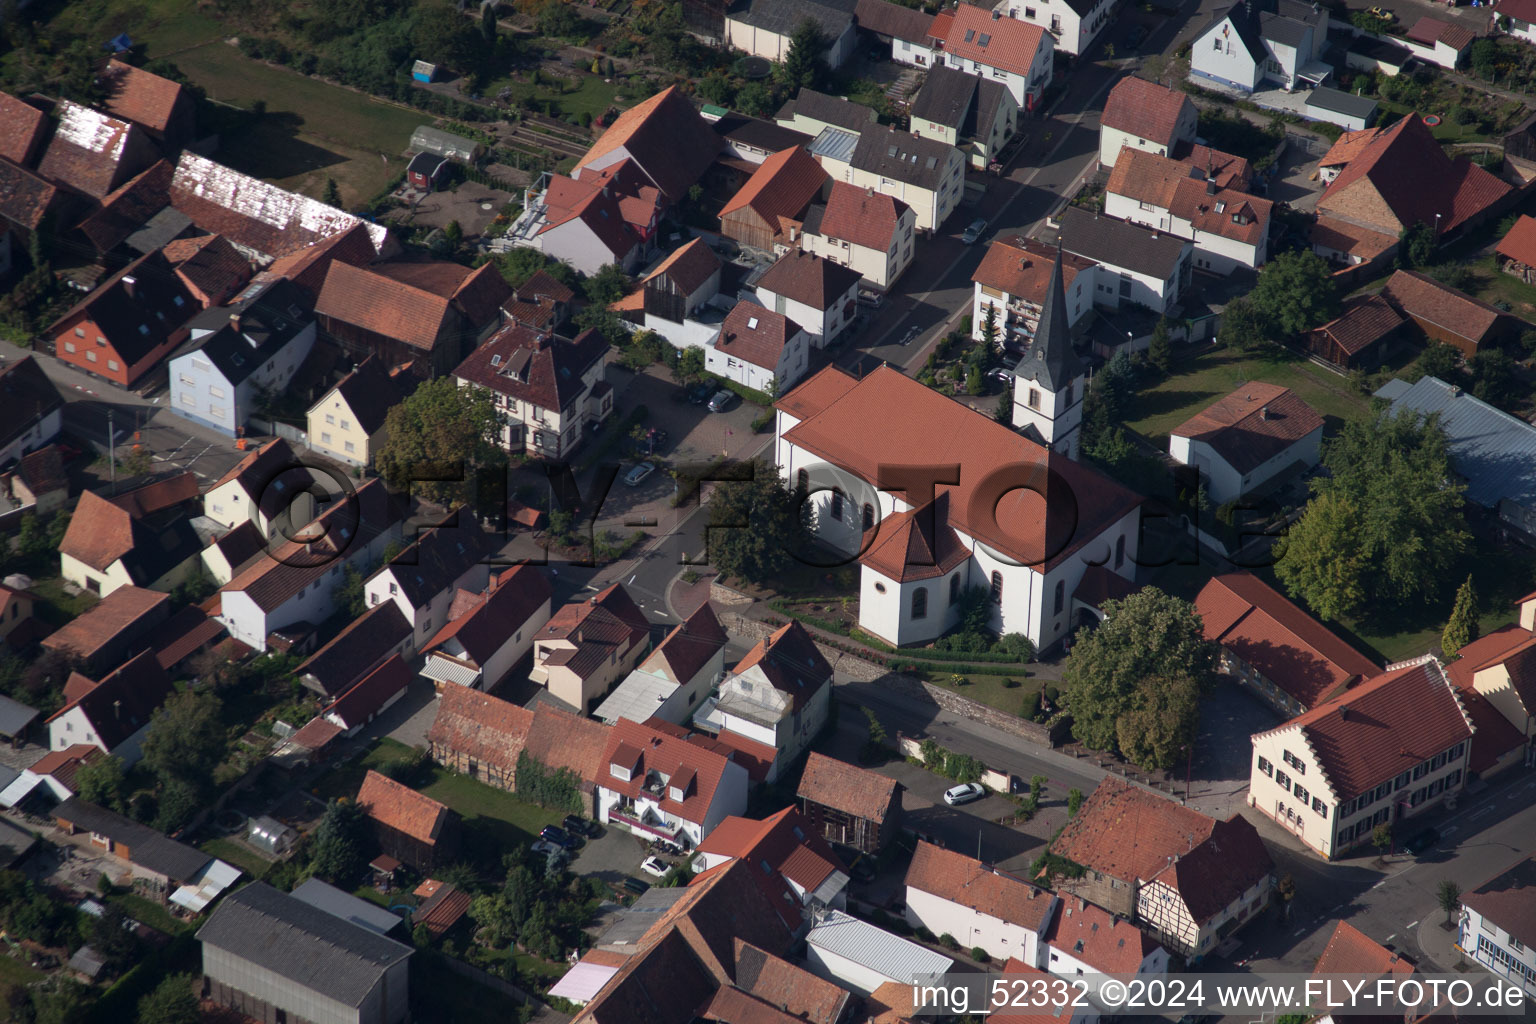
671, 511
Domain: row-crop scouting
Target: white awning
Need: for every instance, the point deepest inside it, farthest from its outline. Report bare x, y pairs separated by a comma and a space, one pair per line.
19, 789
217, 877
583, 982
447, 670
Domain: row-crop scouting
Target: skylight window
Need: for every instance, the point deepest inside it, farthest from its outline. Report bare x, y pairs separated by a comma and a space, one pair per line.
984, 40
970, 35
752, 323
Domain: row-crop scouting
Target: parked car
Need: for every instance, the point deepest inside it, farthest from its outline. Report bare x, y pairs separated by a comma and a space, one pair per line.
636, 476
972, 234
1382, 13
722, 400
964, 793
577, 825
655, 866
1422, 840
1001, 374
699, 394
560, 837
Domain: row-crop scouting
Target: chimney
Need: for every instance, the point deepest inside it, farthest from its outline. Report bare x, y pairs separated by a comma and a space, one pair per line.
117, 710
869, 191
1264, 413
1344, 712
130, 285
1210, 186
996, 15
234, 320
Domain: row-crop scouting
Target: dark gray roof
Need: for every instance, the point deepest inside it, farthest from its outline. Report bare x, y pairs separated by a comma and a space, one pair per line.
810, 224
782, 17
438, 557
1245, 22
356, 650
347, 907
1120, 243
165, 226
893, 154
146, 847
370, 392
834, 110
1341, 102
945, 98
14, 843
1279, 29
1050, 360
309, 947
271, 314
26, 397
14, 716
758, 133
887, 19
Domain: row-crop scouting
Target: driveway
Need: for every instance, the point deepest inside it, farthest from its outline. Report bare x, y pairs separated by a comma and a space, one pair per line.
613, 856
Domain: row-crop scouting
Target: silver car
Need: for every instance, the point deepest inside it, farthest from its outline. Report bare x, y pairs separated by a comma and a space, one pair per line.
972, 234
636, 476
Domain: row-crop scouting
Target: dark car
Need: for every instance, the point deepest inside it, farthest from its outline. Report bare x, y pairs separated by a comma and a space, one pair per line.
560, 837
579, 826
700, 394
1422, 840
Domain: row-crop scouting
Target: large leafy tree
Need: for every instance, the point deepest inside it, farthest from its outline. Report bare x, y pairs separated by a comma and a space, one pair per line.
1319, 560
341, 840
754, 525
186, 739
1242, 326
442, 430
1124, 669
170, 1002
803, 63
1162, 723
1295, 293
113, 937
100, 782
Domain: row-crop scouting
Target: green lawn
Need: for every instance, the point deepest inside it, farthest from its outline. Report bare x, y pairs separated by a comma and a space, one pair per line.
161, 26
346, 780
232, 852
989, 690
1195, 384
1493, 285
147, 911
57, 607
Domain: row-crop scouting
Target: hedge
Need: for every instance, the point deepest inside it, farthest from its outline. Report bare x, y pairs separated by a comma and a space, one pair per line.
559, 789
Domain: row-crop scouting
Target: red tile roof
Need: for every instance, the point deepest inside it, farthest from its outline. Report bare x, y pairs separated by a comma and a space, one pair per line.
1180, 188
538, 368
384, 306
689, 647
1011, 44
1283, 643
862, 216
803, 277
1252, 425
1424, 298
783, 842
666, 137
782, 186
688, 267
1045, 1015
1352, 239
1384, 726
1128, 832
1146, 110
848, 788
1102, 940
126, 210
316, 734
402, 808
1348, 146
789, 659
1230, 172
62, 765
1024, 269
567, 199
476, 725
369, 694
603, 623
561, 739
918, 544
969, 883
756, 335
21, 129
1351, 951
1520, 243
442, 909
647, 749
1365, 321
1430, 31
209, 264
24, 197
854, 430
1218, 872
92, 152
306, 267
793, 989
141, 97
99, 532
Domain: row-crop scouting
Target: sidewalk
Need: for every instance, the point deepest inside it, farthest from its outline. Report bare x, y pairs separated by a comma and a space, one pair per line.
1438, 943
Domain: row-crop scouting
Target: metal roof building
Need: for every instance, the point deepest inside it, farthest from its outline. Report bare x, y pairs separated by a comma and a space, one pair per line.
347, 907
857, 955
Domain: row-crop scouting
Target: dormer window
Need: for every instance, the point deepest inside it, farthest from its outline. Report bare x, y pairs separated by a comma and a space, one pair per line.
676, 793
620, 772
1222, 208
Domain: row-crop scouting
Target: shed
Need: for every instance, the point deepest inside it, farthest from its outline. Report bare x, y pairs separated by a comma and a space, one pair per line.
426, 170
15, 718
349, 908
270, 836
1367, 53
859, 956
422, 71
427, 139
1340, 108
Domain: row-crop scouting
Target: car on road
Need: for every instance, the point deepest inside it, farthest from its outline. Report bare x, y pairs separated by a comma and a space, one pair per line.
1001, 374
972, 234
964, 793
1422, 840
655, 866
722, 400
636, 476
577, 825
1382, 13
560, 837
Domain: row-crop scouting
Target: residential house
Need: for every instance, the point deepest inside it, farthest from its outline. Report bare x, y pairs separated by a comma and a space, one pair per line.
114, 714
838, 429
1450, 41
211, 269
949, 893
423, 579
1402, 177
811, 113
1351, 951
51, 776
296, 582
1016, 52
1012, 282
604, 217
369, 696
976, 115
926, 174
414, 829
147, 537
268, 488
849, 805
1145, 116
674, 299
263, 221
675, 676
486, 633
25, 199
778, 695
306, 267
818, 293
109, 632
749, 141
1349, 244
864, 230
1348, 146
764, 213
1490, 449
25, 127
161, 107
1500, 668
1498, 924
124, 328
37, 481
1136, 265
1451, 316
541, 302
784, 851
1188, 879
1273, 647
434, 312
659, 785
1029, 978
1250, 46
588, 645
759, 349
363, 645
16, 607
1361, 336
93, 153
764, 28
904, 29
347, 422
546, 388
1516, 251
146, 859
1385, 750
31, 409
271, 956
863, 958
1087, 939
1243, 441
664, 138
1229, 227
244, 351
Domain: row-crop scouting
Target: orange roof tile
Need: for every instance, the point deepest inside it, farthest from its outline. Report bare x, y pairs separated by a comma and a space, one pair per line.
756, 335
1252, 425
1103, 941
1365, 321
688, 267
969, 883
862, 216
141, 97
384, 306
1331, 233
21, 129
666, 137
1006, 43
402, 808
1348, 146
1146, 110
1424, 298
845, 787
1351, 951
646, 749
918, 544
1520, 243
783, 185
1023, 269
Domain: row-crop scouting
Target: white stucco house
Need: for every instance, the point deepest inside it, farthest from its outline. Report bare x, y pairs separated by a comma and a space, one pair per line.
1084, 939
1016, 52
926, 174
1145, 116
1244, 440
764, 28
112, 715
423, 579
33, 409
1498, 924
268, 488
1013, 279
1074, 24
867, 231
1271, 42
1135, 264
952, 894
658, 785
906, 29
759, 348
673, 678
816, 293
1229, 228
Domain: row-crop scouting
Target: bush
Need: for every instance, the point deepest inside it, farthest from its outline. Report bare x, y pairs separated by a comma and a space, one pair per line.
1031, 710
925, 935
948, 941
980, 955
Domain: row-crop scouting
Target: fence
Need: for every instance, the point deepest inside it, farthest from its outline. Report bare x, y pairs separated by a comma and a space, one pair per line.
277, 428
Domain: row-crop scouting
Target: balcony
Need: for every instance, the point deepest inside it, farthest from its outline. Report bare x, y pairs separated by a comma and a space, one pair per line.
636, 825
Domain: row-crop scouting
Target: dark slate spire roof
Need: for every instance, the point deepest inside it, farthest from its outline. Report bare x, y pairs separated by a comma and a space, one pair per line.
1050, 361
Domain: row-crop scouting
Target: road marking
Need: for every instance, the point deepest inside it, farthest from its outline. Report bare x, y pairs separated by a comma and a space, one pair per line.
1383, 882
1411, 924
1389, 938
1451, 830
1299, 933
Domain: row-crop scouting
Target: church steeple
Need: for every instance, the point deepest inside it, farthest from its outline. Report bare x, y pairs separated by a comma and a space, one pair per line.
1050, 361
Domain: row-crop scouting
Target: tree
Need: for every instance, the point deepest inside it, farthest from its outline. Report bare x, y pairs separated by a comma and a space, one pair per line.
607, 285
1116, 385
1242, 326
441, 430
63, 1002
340, 841
1448, 895
520, 264
1120, 667
1484, 57
186, 738
1160, 350
1074, 801
1494, 379
1004, 411
1295, 293
100, 782
803, 64
113, 938
349, 595
170, 1002
989, 329
453, 231
1155, 732
689, 368
1461, 629
1319, 561
755, 98
755, 525
1416, 245
1440, 360
332, 194
488, 24
973, 381
1381, 836
1286, 890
